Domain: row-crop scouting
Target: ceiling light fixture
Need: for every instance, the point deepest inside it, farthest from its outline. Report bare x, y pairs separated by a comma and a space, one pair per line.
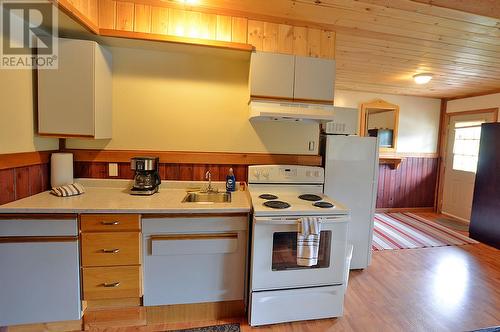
190, 2
422, 78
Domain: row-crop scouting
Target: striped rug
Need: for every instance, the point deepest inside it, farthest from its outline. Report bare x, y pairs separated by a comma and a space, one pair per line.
407, 231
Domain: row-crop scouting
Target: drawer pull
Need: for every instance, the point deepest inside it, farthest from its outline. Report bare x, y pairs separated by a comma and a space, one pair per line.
111, 251
111, 284
110, 223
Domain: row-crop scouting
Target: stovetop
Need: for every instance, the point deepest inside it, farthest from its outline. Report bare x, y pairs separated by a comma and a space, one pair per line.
289, 203
279, 187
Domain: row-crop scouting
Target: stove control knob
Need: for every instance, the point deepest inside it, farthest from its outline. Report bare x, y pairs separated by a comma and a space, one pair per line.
265, 174
256, 174
316, 174
308, 173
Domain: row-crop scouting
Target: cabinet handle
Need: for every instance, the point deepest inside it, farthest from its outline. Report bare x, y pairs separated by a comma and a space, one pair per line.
41, 239
111, 251
204, 236
110, 223
111, 284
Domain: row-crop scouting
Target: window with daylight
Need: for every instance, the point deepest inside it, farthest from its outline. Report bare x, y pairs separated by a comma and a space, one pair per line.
466, 146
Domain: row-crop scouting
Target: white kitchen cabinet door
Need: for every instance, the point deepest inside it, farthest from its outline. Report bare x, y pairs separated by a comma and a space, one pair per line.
206, 264
75, 99
314, 78
271, 75
39, 275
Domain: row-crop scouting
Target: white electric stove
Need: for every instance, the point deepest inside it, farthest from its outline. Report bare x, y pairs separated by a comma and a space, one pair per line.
281, 290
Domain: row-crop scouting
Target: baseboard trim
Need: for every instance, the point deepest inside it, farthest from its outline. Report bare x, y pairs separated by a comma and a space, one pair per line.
64, 326
162, 315
465, 221
409, 209
195, 312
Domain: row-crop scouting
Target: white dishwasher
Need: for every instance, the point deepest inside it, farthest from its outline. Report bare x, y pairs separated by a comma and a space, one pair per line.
39, 274
194, 259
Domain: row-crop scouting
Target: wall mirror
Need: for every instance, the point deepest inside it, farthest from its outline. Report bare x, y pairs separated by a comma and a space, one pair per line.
380, 119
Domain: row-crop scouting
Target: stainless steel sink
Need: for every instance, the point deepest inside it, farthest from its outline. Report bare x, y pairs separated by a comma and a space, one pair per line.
209, 197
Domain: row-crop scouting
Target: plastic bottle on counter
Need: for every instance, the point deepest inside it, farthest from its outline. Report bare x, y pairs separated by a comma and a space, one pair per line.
230, 181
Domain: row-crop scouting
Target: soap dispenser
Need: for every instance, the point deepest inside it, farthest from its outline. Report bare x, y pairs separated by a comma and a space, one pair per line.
230, 181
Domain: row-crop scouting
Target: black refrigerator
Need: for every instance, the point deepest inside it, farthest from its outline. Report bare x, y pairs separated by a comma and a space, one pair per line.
485, 218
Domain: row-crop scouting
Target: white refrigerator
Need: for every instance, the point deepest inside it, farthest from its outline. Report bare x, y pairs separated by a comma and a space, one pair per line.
351, 177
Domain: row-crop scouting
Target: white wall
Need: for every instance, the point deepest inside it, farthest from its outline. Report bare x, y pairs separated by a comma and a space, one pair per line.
418, 118
17, 124
194, 100
473, 103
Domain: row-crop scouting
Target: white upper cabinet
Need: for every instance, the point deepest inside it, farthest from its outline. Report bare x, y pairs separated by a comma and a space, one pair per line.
314, 78
75, 100
271, 75
292, 77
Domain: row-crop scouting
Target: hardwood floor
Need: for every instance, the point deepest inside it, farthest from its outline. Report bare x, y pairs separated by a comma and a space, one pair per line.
431, 289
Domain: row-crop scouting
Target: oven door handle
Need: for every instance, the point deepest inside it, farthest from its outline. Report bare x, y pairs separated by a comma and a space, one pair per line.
295, 220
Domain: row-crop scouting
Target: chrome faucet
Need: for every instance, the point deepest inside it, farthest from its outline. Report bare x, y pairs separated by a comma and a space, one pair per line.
208, 176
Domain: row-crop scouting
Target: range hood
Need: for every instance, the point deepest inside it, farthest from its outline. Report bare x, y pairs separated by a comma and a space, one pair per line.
290, 111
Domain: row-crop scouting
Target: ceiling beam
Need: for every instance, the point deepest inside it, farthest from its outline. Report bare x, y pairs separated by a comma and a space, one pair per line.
488, 8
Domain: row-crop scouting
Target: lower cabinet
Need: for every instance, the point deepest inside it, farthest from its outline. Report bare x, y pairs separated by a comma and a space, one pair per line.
111, 260
187, 259
39, 271
194, 259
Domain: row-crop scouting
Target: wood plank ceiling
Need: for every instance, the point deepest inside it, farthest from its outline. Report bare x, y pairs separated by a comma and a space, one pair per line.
381, 44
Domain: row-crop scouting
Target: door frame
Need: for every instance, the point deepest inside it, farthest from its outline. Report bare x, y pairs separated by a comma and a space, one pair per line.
443, 135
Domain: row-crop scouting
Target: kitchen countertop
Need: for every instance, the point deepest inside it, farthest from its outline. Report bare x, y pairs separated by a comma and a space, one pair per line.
112, 196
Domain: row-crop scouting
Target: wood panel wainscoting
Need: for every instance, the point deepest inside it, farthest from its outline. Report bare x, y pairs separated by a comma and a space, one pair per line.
179, 172
28, 173
411, 185
183, 166
23, 175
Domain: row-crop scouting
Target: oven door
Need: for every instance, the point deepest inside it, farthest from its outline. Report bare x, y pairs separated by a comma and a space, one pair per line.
274, 254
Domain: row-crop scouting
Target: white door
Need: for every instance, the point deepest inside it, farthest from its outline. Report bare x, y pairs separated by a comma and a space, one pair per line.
462, 149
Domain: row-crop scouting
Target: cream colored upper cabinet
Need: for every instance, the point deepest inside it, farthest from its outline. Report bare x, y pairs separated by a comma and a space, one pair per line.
314, 79
271, 75
285, 76
75, 100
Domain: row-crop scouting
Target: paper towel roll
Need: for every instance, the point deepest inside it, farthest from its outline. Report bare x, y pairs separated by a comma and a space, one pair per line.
61, 169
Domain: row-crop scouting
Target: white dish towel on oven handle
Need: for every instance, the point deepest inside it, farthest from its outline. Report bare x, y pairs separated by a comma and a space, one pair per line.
308, 233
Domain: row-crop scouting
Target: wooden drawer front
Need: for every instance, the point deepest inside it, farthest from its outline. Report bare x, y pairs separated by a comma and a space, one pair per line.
110, 222
111, 249
111, 282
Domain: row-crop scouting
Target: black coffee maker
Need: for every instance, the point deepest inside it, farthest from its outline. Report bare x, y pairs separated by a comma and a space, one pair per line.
147, 178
